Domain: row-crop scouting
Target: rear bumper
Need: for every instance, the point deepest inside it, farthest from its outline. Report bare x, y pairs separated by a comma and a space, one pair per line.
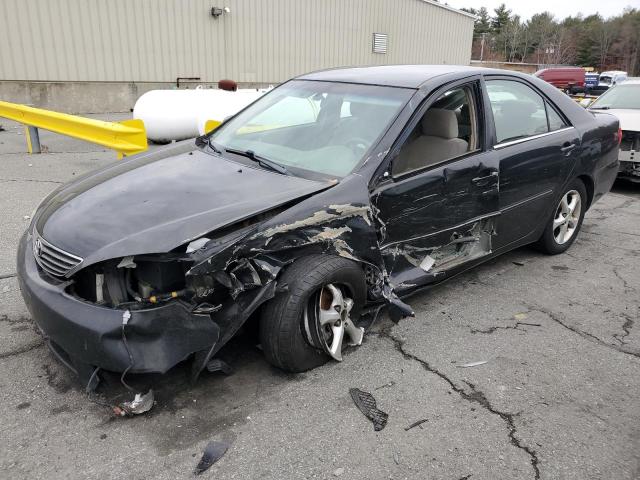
84, 333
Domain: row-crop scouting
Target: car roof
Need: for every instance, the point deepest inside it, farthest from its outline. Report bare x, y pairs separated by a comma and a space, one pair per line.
407, 76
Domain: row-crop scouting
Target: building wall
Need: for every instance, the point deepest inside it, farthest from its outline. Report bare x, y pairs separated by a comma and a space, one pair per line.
262, 41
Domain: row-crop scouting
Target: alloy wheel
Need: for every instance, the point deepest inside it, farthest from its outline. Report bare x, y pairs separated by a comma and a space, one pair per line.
327, 315
567, 217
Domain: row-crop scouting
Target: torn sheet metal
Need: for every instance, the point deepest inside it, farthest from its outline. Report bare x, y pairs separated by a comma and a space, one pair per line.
141, 403
408, 262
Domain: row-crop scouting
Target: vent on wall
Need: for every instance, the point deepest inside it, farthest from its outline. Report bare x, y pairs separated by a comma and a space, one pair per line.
380, 41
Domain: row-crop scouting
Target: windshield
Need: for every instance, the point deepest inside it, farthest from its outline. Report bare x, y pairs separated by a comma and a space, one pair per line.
621, 96
318, 127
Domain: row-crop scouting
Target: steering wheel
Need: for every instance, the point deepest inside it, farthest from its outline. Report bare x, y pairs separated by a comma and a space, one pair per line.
358, 145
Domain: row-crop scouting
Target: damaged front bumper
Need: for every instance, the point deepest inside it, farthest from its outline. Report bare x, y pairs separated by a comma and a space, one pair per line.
629, 169
82, 334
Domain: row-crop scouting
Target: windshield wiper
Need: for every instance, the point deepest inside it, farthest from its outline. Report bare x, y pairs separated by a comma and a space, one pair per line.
600, 108
216, 147
264, 162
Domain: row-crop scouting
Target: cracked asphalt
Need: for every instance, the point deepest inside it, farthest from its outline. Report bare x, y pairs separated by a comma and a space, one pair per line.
556, 399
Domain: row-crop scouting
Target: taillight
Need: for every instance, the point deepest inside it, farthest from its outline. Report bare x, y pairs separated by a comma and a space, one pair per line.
619, 136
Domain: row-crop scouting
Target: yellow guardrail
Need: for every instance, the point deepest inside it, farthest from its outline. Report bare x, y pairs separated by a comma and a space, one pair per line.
127, 137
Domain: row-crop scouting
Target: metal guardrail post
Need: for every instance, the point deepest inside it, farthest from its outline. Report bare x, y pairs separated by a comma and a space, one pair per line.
33, 139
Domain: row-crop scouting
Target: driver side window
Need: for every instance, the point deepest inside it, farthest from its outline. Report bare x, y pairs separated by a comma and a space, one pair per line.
448, 129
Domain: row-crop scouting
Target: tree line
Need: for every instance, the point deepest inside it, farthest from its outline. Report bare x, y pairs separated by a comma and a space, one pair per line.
591, 41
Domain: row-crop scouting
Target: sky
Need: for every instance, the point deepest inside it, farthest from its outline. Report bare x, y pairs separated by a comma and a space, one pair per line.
560, 8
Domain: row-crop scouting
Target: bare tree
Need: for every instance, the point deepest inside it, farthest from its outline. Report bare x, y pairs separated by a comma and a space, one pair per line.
605, 35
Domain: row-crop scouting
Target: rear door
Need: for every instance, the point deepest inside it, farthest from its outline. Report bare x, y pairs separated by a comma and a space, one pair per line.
536, 147
437, 208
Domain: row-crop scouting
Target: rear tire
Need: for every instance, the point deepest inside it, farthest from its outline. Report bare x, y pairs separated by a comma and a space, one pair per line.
565, 220
282, 332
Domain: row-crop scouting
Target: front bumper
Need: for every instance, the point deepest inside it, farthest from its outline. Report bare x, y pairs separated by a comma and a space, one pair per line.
83, 333
629, 165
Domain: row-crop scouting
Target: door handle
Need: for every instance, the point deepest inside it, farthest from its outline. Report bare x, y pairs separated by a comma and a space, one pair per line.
483, 181
567, 147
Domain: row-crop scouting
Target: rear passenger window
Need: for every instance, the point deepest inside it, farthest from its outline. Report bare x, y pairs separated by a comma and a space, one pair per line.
555, 121
518, 111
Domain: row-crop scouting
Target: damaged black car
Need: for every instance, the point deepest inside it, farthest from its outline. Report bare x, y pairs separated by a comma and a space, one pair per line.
338, 192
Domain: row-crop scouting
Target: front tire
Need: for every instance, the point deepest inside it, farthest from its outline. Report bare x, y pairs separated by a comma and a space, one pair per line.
566, 220
285, 335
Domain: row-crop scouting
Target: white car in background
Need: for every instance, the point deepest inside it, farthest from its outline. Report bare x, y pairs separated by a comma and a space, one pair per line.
623, 101
610, 79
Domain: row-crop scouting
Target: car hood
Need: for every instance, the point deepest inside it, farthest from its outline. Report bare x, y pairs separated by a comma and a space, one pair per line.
629, 118
155, 203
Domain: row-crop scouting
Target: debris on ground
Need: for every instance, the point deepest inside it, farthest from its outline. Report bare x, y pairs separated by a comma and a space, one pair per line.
212, 453
140, 404
520, 316
472, 364
367, 405
338, 471
390, 384
518, 263
415, 424
217, 365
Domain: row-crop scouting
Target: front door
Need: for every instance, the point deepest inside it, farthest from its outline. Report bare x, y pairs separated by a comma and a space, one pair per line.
438, 209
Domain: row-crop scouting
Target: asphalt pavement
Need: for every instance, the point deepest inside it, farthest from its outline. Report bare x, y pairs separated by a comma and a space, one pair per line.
556, 399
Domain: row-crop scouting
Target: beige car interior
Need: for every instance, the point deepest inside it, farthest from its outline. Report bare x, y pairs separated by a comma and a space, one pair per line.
441, 134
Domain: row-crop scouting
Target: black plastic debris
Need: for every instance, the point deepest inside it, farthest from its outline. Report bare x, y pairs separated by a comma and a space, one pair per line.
217, 365
367, 405
212, 453
415, 424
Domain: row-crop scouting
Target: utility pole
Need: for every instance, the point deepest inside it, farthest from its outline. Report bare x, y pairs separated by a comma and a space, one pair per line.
482, 45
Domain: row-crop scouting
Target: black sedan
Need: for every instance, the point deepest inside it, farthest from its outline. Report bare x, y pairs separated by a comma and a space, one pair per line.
335, 193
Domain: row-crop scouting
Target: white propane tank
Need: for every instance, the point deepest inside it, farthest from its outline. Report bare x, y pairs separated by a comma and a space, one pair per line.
180, 114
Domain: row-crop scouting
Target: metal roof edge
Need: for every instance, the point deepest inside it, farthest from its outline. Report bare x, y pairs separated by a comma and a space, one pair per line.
447, 7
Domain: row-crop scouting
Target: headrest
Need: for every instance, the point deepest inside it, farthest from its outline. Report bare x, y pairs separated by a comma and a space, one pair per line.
437, 122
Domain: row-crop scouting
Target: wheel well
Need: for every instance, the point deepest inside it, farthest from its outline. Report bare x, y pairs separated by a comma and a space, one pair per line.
588, 184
